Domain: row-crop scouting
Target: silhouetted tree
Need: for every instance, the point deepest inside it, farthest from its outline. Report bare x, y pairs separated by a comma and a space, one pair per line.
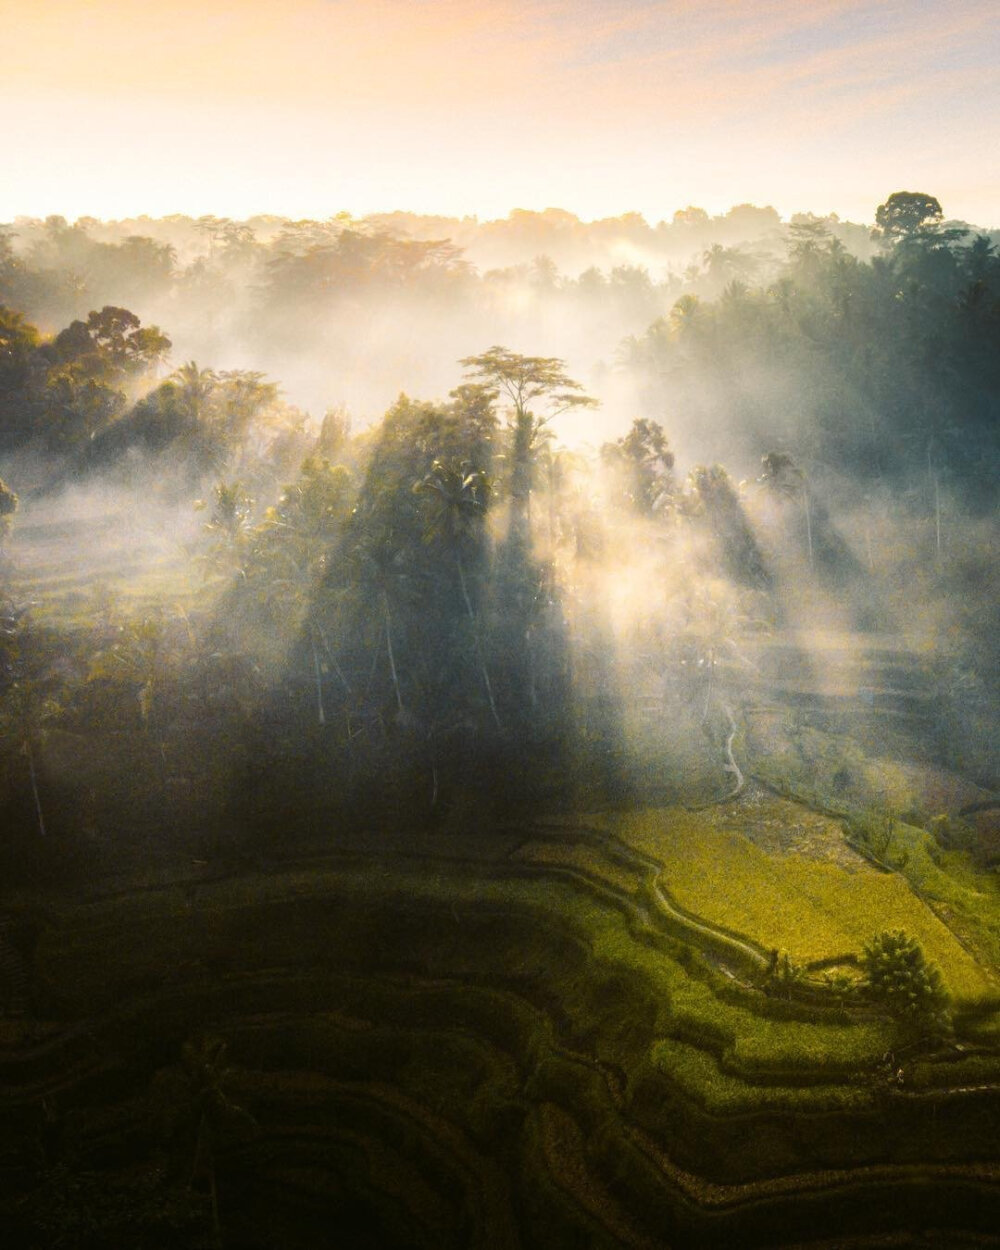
906, 212
527, 381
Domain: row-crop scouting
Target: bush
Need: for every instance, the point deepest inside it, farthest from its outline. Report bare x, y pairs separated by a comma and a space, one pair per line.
874, 830
900, 977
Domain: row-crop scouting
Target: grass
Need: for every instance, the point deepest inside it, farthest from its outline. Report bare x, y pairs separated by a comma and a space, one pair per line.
809, 908
69, 569
968, 898
699, 1076
468, 1043
119, 942
582, 858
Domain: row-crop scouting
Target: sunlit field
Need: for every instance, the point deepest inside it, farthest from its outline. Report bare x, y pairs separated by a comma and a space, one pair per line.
813, 907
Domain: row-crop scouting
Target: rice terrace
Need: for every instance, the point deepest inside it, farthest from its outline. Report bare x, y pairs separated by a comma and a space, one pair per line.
498, 705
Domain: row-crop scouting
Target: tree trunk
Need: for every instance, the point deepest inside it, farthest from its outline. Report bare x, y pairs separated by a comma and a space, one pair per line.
320, 712
34, 787
388, 647
475, 638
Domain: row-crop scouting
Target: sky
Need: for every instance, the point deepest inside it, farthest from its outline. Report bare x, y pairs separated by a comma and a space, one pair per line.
307, 108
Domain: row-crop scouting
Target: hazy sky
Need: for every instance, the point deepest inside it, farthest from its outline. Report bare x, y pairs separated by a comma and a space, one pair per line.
310, 107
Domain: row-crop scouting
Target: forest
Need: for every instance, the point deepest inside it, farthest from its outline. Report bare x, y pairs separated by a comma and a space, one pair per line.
496, 717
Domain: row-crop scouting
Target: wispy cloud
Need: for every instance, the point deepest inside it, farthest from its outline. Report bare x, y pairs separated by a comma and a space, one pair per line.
490, 98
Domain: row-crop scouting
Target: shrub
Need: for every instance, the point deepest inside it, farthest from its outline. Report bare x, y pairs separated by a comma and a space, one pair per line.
900, 976
874, 830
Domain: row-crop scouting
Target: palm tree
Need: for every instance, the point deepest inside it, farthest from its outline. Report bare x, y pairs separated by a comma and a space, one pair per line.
687, 316
382, 569
783, 477
455, 509
195, 393
197, 1114
245, 395
196, 388
727, 264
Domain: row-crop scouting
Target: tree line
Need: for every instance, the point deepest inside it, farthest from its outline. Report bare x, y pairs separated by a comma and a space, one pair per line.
428, 600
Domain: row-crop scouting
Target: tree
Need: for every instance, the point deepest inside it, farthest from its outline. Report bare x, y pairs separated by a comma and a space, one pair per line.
118, 340
245, 395
900, 977
195, 395
230, 525
383, 571
687, 317
26, 695
643, 464
539, 381
726, 264
783, 477
289, 551
456, 500
196, 389
713, 493
94, 367
905, 213
19, 361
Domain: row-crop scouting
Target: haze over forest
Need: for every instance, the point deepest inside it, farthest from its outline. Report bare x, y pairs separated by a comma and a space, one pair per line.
722, 398
498, 705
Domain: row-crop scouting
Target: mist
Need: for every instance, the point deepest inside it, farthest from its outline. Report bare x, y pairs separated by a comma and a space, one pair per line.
737, 337
354, 311
605, 594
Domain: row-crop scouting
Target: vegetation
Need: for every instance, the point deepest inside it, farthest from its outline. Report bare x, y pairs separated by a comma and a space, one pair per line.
811, 908
900, 976
476, 834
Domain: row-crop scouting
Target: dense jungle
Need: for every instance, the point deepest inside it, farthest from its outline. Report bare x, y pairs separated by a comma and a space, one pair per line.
497, 731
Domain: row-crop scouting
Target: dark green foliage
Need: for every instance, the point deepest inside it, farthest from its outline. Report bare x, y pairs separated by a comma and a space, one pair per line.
906, 212
69, 390
877, 369
20, 369
900, 977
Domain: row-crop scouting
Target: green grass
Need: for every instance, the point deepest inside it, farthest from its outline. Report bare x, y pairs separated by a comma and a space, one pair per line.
122, 941
699, 1076
450, 1024
807, 907
582, 858
967, 897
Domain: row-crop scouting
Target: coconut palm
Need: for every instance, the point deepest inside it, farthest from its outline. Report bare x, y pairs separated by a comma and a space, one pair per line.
455, 509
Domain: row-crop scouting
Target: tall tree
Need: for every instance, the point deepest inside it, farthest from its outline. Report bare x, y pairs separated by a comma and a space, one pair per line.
539, 389
456, 500
906, 212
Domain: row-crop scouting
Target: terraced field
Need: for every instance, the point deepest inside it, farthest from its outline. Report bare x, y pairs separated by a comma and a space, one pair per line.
506, 1040
824, 901
69, 566
562, 1034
